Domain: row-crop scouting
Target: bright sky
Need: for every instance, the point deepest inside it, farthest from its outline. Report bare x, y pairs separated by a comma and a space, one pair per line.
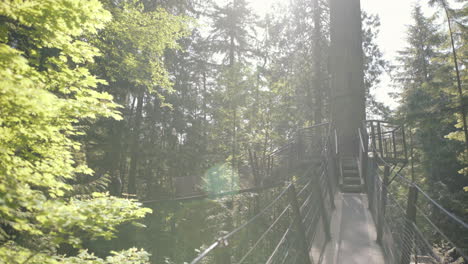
394, 16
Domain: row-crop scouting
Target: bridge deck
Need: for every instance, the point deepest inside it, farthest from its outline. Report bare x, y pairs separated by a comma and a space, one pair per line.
353, 233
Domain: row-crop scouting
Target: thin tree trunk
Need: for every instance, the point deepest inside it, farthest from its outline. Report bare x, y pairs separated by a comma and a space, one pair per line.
457, 70
135, 145
318, 114
114, 158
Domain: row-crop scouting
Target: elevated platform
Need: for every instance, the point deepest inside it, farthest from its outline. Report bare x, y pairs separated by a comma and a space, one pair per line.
353, 233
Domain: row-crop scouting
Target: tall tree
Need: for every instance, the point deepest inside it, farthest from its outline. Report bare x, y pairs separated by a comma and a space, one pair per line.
134, 47
445, 6
426, 76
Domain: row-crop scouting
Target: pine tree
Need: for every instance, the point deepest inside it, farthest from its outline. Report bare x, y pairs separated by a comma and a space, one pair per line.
427, 107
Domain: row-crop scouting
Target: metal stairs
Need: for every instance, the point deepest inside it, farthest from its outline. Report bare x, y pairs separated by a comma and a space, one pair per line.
350, 180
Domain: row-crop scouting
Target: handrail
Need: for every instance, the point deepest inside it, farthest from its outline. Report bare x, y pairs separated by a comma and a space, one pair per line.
446, 212
361, 140
293, 197
336, 143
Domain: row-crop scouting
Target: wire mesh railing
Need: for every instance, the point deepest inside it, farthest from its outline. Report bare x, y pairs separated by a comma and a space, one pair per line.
403, 212
294, 226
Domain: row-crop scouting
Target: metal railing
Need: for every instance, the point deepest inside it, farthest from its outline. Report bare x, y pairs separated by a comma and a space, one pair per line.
388, 140
294, 226
402, 210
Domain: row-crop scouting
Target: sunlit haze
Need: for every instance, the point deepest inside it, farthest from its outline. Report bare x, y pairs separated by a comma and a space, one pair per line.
394, 16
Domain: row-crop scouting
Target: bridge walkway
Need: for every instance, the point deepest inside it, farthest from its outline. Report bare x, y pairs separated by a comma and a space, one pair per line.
335, 209
353, 233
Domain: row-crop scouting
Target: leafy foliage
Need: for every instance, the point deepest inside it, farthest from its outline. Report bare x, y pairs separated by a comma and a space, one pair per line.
46, 92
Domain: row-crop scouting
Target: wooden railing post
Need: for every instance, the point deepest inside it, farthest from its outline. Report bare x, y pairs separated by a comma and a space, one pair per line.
303, 244
410, 221
383, 205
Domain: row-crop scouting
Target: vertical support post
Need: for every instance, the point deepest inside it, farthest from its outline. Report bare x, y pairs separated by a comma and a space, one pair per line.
365, 160
383, 205
303, 244
410, 221
291, 153
300, 147
330, 170
222, 254
331, 163
374, 175
379, 132
374, 143
363, 152
385, 151
394, 145
331, 193
404, 142
325, 217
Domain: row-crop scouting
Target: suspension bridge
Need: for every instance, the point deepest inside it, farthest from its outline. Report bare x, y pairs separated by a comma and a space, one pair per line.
339, 191
340, 209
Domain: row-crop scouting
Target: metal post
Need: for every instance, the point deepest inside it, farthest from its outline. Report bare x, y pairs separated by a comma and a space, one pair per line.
404, 142
330, 170
300, 147
303, 244
383, 205
331, 193
385, 151
365, 160
325, 217
374, 143
379, 132
374, 174
222, 254
410, 221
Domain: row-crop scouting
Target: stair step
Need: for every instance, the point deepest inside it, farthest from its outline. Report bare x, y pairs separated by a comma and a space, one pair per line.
351, 180
348, 163
351, 188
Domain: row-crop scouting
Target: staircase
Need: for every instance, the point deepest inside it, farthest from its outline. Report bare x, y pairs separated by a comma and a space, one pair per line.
350, 181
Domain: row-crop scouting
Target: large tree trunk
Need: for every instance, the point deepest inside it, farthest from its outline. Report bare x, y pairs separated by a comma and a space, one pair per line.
346, 63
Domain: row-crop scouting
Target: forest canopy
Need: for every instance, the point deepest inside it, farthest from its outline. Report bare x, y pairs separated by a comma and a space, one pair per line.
111, 110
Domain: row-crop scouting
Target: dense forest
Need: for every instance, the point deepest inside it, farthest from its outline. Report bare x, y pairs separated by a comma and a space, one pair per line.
109, 110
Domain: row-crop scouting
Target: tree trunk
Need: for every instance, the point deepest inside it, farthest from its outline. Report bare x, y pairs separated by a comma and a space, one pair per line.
347, 68
457, 71
135, 145
318, 88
